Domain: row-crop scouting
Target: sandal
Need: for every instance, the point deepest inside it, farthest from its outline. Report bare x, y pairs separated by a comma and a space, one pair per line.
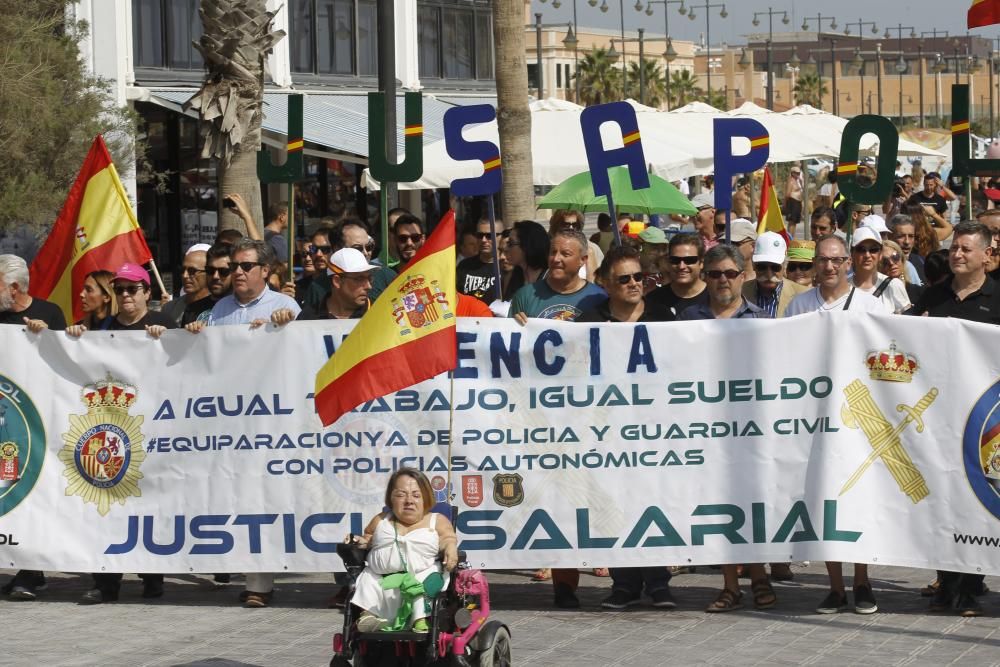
763, 594
543, 574
727, 601
931, 589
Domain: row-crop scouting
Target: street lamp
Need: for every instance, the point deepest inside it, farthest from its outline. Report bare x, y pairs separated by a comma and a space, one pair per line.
670, 54
939, 67
642, 71
574, 43
878, 74
569, 42
770, 13
901, 63
859, 62
819, 18
708, 34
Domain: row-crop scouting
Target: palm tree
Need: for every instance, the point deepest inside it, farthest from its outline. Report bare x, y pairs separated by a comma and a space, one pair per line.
656, 93
683, 88
513, 113
235, 41
599, 81
716, 98
810, 89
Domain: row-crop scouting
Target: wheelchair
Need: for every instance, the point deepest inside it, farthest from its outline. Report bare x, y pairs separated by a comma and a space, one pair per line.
460, 632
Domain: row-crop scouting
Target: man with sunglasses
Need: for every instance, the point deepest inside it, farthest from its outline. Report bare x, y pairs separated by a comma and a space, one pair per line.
684, 265
770, 290
833, 290
622, 276
476, 275
196, 298
409, 235
724, 276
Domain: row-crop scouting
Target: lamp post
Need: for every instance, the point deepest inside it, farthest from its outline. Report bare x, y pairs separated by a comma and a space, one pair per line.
569, 42
792, 67
621, 12
938, 68
859, 61
573, 44
669, 54
846, 94
933, 34
770, 13
819, 18
708, 34
642, 73
878, 75
901, 63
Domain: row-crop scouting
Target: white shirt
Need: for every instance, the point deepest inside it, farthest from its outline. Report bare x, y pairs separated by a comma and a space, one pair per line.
812, 301
894, 298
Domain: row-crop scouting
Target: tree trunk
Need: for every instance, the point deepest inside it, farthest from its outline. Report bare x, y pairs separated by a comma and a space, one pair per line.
236, 39
513, 114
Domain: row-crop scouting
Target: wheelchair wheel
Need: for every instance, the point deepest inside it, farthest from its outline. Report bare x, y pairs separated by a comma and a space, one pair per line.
499, 654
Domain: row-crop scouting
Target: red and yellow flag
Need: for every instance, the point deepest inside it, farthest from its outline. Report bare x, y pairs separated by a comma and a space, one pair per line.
96, 230
769, 218
983, 12
407, 336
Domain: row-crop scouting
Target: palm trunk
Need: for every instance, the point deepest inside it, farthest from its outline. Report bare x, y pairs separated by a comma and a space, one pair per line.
513, 114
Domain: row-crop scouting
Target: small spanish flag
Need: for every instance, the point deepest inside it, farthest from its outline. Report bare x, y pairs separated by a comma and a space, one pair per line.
96, 230
983, 12
769, 218
407, 336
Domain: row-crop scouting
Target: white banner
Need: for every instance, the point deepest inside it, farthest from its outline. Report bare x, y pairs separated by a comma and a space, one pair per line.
838, 436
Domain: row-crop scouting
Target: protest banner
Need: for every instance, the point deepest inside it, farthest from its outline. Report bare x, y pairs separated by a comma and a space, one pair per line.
573, 446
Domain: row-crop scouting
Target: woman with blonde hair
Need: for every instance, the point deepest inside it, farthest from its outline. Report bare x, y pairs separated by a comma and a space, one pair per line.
892, 265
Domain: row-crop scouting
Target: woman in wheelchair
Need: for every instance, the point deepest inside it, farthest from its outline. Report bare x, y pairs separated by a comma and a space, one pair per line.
402, 572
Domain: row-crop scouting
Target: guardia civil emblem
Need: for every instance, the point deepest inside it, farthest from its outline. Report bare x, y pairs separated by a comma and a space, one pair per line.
508, 489
419, 304
103, 449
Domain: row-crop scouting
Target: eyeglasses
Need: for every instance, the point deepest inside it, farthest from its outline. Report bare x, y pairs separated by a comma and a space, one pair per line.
131, 290
368, 247
731, 274
894, 258
763, 267
414, 238
799, 266
483, 235
221, 270
322, 249
629, 277
836, 261
246, 266
191, 271
690, 260
868, 249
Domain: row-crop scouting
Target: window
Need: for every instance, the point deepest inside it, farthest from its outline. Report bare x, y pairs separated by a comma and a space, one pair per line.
162, 32
333, 37
455, 39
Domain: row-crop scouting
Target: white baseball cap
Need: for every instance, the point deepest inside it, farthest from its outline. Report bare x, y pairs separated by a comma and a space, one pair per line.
349, 260
876, 222
862, 234
703, 200
198, 247
769, 249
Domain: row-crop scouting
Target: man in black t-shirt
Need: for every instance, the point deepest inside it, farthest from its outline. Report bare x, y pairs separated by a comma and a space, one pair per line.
934, 198
476, 275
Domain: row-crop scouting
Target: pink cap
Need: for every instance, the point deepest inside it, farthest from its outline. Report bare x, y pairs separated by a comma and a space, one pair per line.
133, 272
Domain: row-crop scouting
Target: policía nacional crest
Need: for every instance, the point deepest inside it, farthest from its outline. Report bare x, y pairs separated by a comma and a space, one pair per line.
103, 449
419, 304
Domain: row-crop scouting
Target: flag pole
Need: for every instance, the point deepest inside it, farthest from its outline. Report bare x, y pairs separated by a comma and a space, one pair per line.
156, 274
496, 254
451, 426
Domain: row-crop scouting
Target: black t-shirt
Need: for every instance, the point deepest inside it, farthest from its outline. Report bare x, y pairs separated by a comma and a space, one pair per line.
321, 312
196, 308
983, 305
654, 312
666, 297
939, 203
477, 279
152, 318
39, 309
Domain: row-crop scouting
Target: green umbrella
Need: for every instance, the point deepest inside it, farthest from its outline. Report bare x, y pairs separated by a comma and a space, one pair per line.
577, 193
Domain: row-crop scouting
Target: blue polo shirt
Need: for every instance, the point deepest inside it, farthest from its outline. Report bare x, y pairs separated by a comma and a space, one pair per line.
230, 311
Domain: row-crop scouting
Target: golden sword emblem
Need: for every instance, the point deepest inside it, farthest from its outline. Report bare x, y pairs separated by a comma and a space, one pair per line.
861, 410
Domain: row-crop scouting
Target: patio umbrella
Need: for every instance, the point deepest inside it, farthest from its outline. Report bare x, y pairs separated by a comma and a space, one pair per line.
577, 193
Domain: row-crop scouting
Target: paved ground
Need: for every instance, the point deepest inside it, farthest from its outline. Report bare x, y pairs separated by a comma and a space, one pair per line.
198, 624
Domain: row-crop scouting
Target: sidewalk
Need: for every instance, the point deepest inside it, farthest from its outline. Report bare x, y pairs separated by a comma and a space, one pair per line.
198, 624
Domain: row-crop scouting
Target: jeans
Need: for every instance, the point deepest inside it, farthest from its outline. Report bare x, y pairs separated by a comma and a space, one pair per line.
632, 580
111, 583
959, 583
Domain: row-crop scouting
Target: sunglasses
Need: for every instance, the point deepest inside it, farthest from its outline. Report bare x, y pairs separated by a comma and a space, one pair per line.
368, 247
690, 260
629, 277
894, 258
191, 271
414, 238
868, 250
799, 266
763, 267
323, 249
131, 290
483, 235
731, 274
221, 270
578, 226
246, 266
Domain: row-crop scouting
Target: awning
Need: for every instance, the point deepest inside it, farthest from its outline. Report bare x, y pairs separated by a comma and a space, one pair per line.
337, 121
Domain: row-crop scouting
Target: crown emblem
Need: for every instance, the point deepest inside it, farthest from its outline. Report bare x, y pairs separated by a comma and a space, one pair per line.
892, 365
108, 394
412, 284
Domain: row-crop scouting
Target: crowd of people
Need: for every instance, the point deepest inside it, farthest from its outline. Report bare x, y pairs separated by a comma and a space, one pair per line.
856, 260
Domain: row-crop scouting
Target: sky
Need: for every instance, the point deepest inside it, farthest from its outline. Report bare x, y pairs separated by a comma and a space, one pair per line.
924, 15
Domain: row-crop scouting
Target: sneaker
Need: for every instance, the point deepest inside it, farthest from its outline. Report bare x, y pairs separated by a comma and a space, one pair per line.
619, 599
339, 601
864, 600
968, 606
941, 601
662, 599
97, 596
222, 579
152, 589
565, 597
832, 603
257, 600
369, 622
23, 593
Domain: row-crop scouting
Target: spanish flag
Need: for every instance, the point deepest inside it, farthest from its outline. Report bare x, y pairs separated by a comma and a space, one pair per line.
769, 218
407, 336
96, 230
983, 12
